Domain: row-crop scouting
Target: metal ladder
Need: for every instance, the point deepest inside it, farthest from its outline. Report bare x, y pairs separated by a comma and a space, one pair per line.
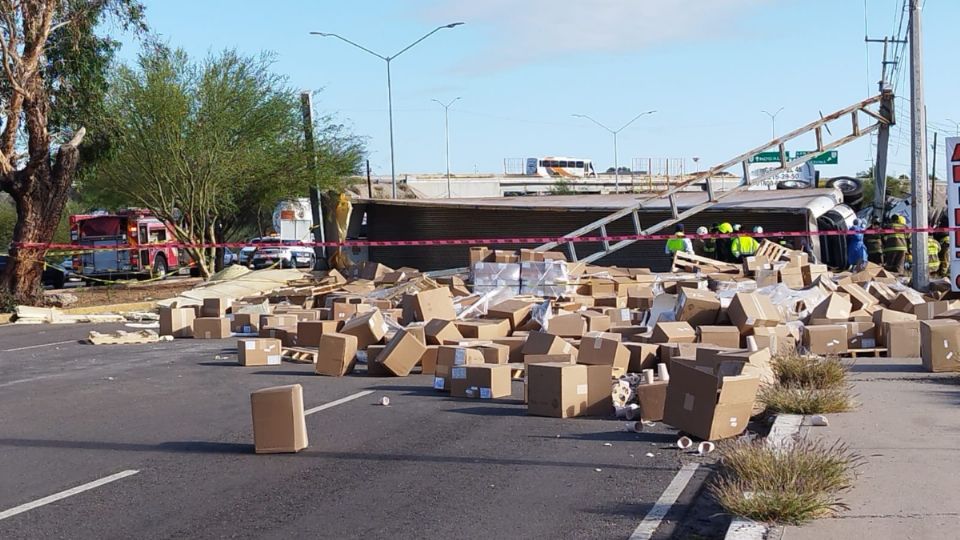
882, 119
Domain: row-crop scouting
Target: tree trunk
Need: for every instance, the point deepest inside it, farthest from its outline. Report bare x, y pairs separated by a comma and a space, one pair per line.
40, 199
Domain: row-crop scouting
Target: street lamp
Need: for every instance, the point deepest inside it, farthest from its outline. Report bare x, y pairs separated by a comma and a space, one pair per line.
388, 59
615, 132
446, 136
956, 124
773, 120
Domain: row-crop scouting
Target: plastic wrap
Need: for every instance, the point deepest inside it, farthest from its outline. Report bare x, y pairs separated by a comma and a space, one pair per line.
491, 276
545, 278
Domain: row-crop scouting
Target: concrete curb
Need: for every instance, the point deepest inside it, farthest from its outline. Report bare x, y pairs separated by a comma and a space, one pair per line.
112, 308
5, 318
781, 436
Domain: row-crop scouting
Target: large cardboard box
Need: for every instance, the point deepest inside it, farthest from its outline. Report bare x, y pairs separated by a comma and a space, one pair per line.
279, 424
652, 397
439, 331
489, 381
570, 325
640, 297
903, 339
697, 307
211, 328
558, 390
402, 354
558, 358
258, 352
861, 335
543, 343
428, 362
448, 358
515, 344
495, 353
245, 323
309, 332
906, 301
724, 336
336, 354
776, 338
599, 384
596, 322
859, 297
940, 345
642, 356
369, 328
345, 310
707, 406
602, 351
753, 310
882, 317
177, 322
835, 308
434, 304
930, 310
515, 311
484, 328
215, 307
825, 339
673, 332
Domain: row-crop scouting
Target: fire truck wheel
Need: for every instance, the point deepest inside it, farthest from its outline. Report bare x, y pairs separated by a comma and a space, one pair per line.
159, 267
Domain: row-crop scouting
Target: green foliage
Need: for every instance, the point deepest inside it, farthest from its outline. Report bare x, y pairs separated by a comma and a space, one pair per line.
807, 385
562, 187
785, 485
8, 219
212, 146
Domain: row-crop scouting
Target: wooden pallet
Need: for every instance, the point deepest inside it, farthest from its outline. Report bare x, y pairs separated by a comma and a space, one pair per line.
302, 356
864, 353
121, 337
772, 251
688, 262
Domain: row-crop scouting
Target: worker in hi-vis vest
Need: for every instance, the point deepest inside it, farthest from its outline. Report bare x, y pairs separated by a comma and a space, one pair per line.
678, 242
745, 245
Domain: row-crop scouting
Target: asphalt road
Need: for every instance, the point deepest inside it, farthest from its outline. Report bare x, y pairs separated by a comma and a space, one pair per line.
427, 466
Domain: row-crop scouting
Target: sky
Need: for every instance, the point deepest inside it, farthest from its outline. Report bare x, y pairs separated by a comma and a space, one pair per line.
523, 68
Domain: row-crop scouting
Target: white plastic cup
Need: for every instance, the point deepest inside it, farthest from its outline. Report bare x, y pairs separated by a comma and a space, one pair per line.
647, 376
663, 373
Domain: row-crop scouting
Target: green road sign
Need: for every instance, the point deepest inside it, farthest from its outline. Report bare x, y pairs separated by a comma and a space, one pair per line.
826, 158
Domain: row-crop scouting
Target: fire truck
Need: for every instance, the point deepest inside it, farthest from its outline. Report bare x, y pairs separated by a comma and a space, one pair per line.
128, 243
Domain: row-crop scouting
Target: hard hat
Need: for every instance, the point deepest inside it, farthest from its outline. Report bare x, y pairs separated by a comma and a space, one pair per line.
701, 230
758, 229
736, 227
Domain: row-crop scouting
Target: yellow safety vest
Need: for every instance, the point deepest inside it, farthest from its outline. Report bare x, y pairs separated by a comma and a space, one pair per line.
676, 243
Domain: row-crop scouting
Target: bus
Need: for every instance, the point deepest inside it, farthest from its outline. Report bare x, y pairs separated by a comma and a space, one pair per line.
560, 167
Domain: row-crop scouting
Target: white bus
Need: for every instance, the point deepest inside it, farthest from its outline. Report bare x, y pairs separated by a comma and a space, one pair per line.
560, 166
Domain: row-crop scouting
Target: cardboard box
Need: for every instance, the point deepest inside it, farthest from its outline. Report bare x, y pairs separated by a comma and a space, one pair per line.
673, 332
515, 344
752, 310
515, 311
930, 310
861, 335
503, 256
791, 276
882, 317
569, 325
215, 307
428, 362
278, 321
245, 323
402, 354
543, 343
652, 398
596, 322
558, 358
494, 353
258, 352
619, 317
434, 304
557, 390
438, 332
640, 298
707, 406
601, 287
480, 254
449, 357
375, 368
369, 328
279, 424
602, 351
724, 336
177, 322
343, 311
489, 381
610, 300
304, 314
940, 345
859, 297
336, 354
599, 398
906, 302
309, 332
826, 339
642, 356
484, 328
834, 307
903, 339
211, 328
697, 307
776, 338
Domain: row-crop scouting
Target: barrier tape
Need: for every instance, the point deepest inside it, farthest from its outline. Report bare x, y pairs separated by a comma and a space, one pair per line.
68, 249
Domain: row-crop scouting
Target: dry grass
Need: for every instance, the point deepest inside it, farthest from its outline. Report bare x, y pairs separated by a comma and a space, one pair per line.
808, 385
784, 485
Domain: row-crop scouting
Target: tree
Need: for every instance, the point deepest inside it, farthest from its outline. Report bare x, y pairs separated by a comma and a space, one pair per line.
211, 147
52, 73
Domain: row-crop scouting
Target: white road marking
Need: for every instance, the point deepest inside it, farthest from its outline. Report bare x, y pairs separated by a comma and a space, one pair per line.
64, 494
39, 346
340, 401
649, 525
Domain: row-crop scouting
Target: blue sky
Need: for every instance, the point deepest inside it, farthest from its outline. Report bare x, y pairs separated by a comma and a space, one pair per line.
523, 67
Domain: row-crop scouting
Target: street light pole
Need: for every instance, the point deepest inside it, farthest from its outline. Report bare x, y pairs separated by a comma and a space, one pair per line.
388, 59
956, 125
615, 132
446, 136
773, 120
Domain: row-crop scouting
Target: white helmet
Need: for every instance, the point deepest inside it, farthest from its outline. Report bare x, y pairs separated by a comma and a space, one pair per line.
701, 230
758, 229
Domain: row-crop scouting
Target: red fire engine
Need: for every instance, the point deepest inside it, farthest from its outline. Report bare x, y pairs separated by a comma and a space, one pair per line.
129, 242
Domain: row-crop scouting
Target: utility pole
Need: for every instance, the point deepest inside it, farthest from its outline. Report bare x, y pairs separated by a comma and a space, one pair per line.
773, 121
933, 174
918, 157
887, 110
446, 136
306, 109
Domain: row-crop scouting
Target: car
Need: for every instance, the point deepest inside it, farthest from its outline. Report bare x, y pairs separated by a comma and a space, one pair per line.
245, 255
55, 274
283, 257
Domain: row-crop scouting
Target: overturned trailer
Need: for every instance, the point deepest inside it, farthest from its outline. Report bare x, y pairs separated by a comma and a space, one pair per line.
809, 210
